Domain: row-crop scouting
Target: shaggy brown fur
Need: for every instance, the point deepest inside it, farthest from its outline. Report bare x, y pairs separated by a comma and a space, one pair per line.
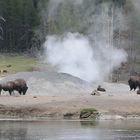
20, 86
134, 82
8, 86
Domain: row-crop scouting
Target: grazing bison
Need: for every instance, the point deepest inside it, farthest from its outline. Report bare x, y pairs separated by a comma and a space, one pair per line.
20, 86
8, 86
134, 82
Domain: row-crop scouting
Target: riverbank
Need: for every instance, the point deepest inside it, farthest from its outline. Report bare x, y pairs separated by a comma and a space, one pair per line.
125, 106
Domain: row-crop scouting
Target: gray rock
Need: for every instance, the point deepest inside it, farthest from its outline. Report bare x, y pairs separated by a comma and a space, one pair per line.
95, 92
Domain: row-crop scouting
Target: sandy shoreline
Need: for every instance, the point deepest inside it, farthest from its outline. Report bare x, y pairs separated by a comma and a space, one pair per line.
56, 107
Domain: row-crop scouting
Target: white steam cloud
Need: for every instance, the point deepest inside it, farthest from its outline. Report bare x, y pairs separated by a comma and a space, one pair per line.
74, 54
91, 56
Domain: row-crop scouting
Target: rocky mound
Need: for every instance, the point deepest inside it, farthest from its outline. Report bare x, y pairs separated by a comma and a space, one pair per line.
52, 83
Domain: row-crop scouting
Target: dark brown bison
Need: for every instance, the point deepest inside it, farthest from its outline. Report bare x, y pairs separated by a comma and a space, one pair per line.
134, 82
20, 86
99, 88
8, 86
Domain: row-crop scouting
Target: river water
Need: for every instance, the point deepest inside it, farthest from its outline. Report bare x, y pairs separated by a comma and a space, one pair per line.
70, 130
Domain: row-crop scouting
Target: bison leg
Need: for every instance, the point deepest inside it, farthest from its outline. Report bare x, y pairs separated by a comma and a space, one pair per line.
19, 91
131, 87
24, 90
135, 86
10, 92
131, 84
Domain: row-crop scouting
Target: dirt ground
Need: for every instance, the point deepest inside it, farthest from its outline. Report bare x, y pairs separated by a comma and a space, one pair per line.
109, 106
54, 96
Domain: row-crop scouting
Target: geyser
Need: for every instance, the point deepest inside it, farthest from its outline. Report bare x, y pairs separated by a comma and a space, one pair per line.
90, 56
74, 54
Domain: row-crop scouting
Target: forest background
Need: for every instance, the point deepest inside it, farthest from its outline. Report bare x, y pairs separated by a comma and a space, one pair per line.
24, 25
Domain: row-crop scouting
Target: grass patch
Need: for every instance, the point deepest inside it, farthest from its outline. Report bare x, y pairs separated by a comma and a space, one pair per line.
88, 113
88, 109
17, 63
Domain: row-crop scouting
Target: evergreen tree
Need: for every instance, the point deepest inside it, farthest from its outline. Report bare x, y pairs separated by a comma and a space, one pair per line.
21, 21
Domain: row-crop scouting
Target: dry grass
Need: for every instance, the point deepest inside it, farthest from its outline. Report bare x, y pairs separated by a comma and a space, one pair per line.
16, 63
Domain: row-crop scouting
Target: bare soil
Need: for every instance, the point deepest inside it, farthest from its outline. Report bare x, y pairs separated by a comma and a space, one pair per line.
56, 107
54, 95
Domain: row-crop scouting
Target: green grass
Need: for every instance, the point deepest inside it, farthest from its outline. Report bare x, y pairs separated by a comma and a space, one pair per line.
88, 110
18, 63
88, 113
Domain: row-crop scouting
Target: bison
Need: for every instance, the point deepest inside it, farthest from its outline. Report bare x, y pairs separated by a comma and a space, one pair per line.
20, 86
8, 86
99, 88
134, 82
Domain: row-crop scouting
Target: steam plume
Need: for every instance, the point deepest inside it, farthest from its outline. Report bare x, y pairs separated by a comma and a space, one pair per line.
92, 56
74, 54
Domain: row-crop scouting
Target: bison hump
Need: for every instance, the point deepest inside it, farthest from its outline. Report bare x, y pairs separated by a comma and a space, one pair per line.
134, 78
20, 82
